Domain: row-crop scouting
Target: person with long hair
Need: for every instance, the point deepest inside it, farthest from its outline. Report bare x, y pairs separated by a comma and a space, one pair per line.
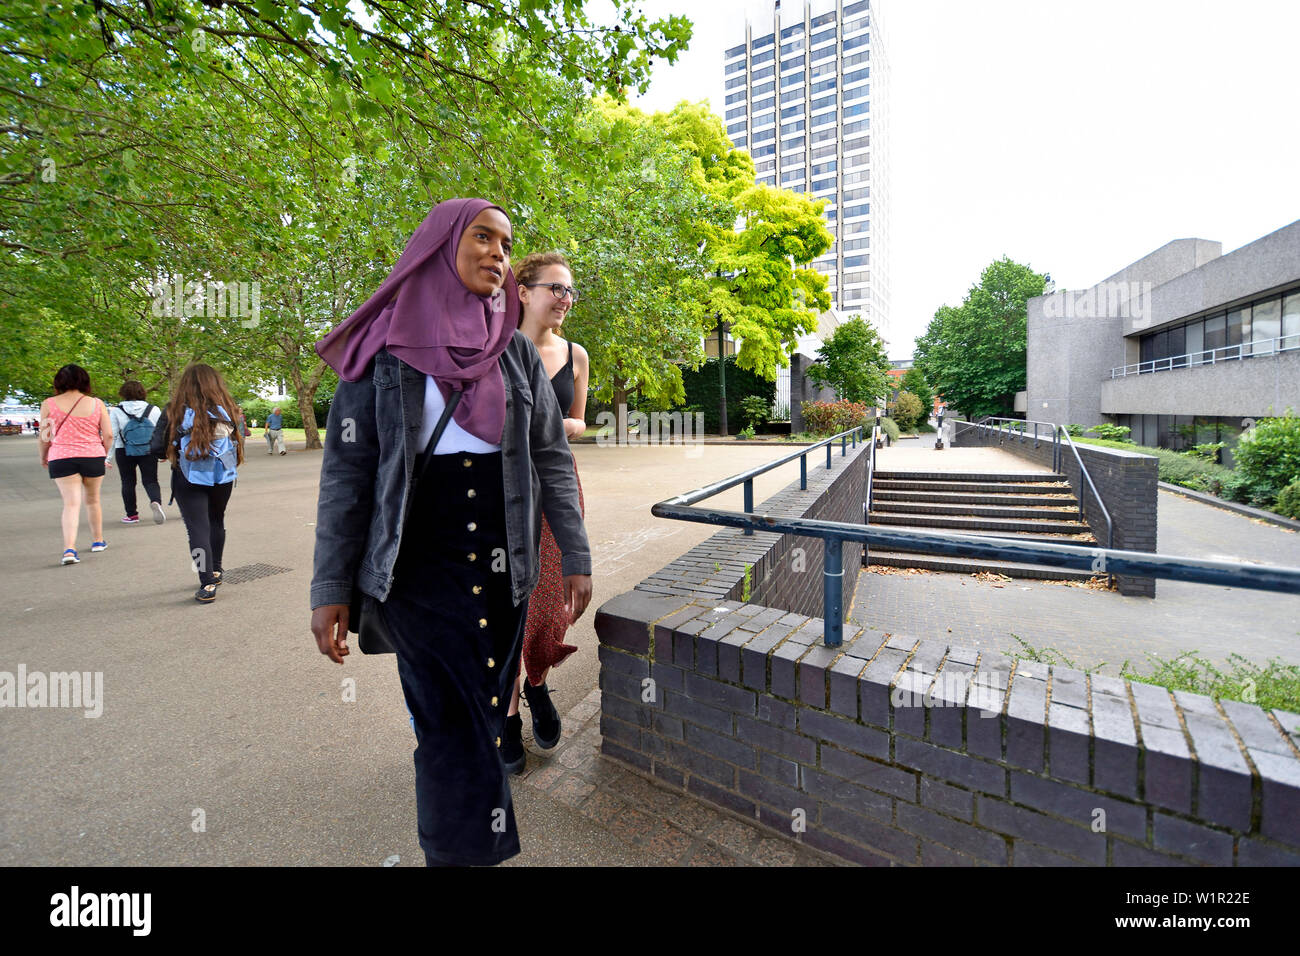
197, 434
133, 422
75, 436
444, 447
546, 294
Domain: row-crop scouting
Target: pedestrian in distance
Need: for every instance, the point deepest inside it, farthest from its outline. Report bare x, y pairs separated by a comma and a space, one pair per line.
134, 420
197, 434
75, 437
274, 432
433, 370
546, 294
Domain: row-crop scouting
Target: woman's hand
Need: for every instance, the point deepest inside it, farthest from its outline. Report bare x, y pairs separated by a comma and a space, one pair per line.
329, 623
577, 595
573, 428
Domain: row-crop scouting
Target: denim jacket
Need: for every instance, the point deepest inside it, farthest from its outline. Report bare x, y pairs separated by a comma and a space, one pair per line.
370, 455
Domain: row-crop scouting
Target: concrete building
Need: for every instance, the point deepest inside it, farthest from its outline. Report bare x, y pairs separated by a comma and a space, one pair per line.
1184, 346
805, 85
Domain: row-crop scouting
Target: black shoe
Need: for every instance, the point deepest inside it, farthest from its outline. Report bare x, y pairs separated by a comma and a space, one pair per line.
512, 745
546, 719
206, 594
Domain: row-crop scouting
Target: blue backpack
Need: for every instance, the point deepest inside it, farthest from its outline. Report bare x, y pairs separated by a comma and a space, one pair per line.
137, 432
217, 467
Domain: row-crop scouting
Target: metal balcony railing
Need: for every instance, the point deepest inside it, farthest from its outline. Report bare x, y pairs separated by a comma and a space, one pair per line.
1229, 353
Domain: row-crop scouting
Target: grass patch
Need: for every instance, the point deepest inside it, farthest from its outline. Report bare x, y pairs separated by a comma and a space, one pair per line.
1273, 685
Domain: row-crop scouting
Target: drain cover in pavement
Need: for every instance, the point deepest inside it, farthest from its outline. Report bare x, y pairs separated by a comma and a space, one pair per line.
251, 572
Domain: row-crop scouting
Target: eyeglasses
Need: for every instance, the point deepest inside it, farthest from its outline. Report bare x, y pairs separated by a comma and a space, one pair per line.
557, 289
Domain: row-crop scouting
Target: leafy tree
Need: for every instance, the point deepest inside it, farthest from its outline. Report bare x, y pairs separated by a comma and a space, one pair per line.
974, 354
914, 381
853, 362
907, 410
1268, 455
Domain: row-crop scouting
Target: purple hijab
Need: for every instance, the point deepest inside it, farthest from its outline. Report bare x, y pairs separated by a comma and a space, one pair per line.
435, 324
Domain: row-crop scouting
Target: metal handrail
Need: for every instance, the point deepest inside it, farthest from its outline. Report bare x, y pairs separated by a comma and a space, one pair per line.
747, 477
1057, 432
1271, 346
871, 470
1055, 554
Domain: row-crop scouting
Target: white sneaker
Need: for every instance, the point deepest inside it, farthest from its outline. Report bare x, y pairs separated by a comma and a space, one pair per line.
159, 516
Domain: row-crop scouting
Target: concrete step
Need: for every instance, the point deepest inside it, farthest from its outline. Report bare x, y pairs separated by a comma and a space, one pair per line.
1004, 526
955, 498
972, 487
1037, 511
982, 477
934, 562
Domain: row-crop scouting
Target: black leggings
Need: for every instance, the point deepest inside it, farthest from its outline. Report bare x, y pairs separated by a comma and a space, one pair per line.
203, 507
126, 466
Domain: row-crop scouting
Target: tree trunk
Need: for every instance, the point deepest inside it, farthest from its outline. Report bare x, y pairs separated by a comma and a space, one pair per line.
620, 414
305, 391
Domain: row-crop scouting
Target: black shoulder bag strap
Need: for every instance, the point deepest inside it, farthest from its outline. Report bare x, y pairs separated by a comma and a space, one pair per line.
363, 618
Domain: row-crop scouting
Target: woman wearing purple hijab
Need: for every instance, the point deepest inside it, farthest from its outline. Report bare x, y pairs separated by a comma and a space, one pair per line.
441, 538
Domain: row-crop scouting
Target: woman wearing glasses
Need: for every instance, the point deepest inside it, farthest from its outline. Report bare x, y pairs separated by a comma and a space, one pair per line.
546, 294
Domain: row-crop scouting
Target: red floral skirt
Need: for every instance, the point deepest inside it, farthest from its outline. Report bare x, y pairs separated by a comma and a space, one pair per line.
547, 619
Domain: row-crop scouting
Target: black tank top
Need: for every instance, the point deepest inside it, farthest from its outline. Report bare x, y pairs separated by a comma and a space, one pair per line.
562, 382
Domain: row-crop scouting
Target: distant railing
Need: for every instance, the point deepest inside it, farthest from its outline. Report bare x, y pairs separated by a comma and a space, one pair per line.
1228, 353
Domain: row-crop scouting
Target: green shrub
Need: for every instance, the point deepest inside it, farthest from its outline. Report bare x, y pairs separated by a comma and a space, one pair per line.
1209, 451
908, 410
1074, 430
1275, 685
746, 433
757, 411
890, 428
1108, 432
701, 389
925, 428
1175, 467
831, 418
1288, 500
1269, 453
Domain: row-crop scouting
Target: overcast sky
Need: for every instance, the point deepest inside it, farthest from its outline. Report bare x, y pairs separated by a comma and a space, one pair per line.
1073, 137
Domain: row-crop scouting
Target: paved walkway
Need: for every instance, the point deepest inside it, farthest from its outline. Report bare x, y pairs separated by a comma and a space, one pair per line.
227, 714
1093, 627
918, 454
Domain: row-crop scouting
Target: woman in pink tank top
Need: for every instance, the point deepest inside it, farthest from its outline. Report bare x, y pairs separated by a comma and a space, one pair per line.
76, 434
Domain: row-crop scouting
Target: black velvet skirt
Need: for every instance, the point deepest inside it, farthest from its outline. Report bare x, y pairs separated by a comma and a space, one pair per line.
458, 639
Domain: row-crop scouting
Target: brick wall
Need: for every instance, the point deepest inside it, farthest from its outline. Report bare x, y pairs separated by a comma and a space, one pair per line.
782, 565
1127, 482
1022, 765
889, 751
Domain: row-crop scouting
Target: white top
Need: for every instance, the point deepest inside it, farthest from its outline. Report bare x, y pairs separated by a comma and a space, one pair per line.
117, 415
454, 438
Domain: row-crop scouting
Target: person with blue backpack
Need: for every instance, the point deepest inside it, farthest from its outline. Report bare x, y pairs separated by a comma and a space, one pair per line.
197, 434
133, 421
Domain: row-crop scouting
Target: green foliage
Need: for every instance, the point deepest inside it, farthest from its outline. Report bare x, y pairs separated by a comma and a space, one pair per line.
1288, 501
1174, 467
1269, 453
974, 354
757, 410
745, 586
746, 433
853, 362
831, 418
1074, 429
1208, 451
925, 428
1274, 685
1108, 432
701, 388
914, 381
907, 411
890, 428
